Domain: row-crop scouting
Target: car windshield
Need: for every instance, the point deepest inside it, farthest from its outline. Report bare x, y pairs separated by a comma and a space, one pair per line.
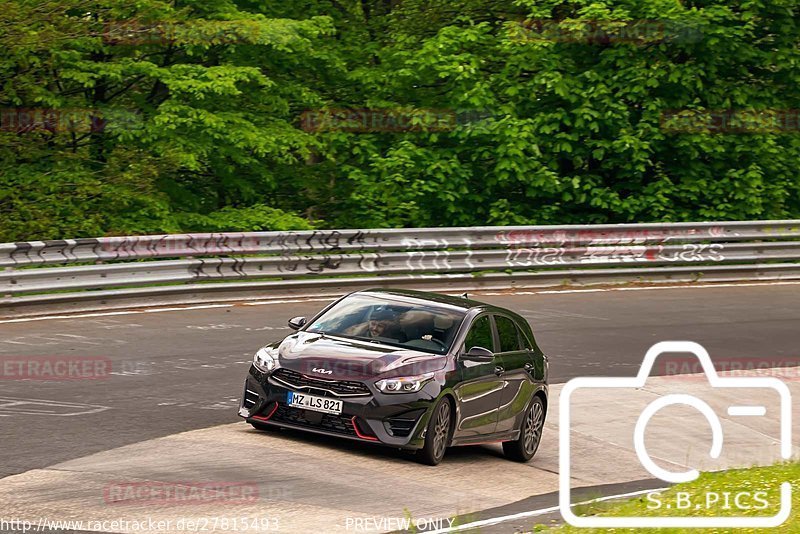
423, 327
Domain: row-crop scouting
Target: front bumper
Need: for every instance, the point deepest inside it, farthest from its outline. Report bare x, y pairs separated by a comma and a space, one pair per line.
397, 420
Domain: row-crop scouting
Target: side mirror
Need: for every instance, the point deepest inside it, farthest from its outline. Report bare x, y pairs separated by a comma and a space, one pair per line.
296, 323
478, 354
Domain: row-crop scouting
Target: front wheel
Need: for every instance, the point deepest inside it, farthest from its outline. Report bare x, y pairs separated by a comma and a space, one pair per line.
437, 434
530, 435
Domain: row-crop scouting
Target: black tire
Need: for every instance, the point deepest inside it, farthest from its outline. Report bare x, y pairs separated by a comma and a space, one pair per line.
530, 434
263, 426
437, 435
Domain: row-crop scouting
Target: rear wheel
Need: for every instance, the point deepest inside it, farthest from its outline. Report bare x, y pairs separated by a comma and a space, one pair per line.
437, 435
530, 435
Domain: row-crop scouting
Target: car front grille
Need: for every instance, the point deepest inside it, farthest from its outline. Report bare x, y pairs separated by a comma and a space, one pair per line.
338, 424
340, 388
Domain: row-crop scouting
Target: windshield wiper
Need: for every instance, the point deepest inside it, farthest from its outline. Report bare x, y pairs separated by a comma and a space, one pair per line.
369, 339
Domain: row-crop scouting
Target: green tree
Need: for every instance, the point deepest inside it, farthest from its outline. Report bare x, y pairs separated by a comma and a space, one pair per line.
576, 134
173, 111
192, 117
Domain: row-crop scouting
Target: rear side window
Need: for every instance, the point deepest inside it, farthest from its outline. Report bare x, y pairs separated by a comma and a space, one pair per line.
480, 334
524, 339
507, 331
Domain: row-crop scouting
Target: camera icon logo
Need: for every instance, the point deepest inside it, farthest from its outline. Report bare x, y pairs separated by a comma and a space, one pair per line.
719, 384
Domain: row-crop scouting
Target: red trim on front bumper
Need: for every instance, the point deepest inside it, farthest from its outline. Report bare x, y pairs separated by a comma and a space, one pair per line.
271, 413
358, 432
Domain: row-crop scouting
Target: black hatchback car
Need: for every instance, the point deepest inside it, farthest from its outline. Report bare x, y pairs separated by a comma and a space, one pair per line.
407, 369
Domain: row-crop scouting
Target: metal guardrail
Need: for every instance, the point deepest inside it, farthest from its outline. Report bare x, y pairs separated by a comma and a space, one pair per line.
116, 268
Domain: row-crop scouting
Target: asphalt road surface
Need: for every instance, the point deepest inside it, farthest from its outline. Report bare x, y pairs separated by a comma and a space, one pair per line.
179, 370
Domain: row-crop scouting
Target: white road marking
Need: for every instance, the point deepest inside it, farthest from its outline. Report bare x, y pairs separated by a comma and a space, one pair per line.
9, 406
201, 307
42, 340
547, 313
289, 301
534, 513
109, 314
328, 299
110, 324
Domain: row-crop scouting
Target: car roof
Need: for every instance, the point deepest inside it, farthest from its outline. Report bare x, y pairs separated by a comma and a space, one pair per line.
411, 296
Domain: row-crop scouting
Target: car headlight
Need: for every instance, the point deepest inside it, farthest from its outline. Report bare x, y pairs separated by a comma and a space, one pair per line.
405, 384
266, 359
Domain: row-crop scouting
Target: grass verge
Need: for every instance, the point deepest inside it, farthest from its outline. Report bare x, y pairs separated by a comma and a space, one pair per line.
711, 495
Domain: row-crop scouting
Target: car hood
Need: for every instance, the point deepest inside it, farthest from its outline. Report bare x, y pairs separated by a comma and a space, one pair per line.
326, 356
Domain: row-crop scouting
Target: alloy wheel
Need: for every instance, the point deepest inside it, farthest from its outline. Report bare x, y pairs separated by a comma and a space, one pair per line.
441, 429
533, 427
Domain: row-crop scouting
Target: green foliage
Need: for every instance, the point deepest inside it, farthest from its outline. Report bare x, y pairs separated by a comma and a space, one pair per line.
55, 201
559, 119
194, 121
250, 219
576, 135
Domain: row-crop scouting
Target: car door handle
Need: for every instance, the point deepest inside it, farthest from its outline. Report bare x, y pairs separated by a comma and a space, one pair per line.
498, 370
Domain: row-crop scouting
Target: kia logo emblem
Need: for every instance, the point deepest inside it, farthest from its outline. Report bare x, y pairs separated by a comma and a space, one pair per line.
321, 371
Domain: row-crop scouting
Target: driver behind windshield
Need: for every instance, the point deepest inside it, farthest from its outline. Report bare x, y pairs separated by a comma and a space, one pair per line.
382, 323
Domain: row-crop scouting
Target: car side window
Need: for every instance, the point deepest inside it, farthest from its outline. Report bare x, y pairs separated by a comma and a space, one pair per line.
480, 334
525, 342
507, 331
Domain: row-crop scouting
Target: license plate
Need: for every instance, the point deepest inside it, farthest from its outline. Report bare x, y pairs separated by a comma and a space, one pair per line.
312, 402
